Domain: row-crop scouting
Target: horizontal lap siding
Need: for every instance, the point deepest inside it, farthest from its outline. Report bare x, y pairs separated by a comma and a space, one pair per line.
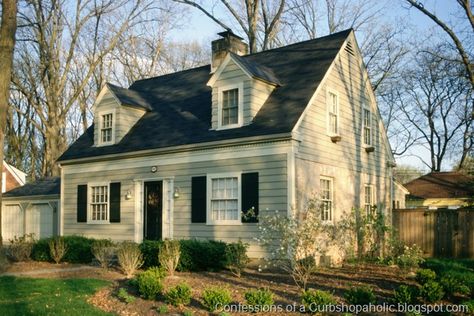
346, 161
272, 191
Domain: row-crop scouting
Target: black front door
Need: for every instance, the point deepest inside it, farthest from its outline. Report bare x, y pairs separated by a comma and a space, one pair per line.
153, 206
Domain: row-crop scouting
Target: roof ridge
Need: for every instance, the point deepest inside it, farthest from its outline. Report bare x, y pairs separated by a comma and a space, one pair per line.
298, 43
169, 74
253, 54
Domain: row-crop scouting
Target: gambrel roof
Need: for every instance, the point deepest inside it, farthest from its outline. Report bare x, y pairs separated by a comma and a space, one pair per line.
180, 102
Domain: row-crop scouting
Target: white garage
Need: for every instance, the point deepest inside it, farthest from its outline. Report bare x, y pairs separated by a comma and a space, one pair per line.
32, 209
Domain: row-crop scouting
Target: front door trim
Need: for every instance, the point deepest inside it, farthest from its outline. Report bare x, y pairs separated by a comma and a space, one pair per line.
167, 209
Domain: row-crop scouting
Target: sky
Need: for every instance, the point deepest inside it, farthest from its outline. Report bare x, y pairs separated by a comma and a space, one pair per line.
200, 28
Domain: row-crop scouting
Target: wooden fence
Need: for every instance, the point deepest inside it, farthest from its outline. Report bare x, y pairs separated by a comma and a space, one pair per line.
440, 233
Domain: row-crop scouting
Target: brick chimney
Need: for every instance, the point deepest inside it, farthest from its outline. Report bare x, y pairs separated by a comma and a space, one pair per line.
228, 43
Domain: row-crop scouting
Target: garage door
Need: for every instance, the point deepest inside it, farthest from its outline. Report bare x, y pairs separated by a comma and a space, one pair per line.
12, 221
39, 220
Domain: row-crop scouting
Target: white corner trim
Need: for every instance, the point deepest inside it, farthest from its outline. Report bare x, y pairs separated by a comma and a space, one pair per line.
61, 207
240, 116
209, 178
291, 182
221, 68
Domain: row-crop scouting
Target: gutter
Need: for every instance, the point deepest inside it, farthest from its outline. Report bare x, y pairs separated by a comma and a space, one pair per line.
183, 148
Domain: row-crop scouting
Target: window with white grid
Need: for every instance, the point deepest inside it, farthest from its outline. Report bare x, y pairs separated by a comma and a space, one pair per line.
224, 206
99, 203
368, 199
326, 194
230, 107
106, 128
333, 109
367, 126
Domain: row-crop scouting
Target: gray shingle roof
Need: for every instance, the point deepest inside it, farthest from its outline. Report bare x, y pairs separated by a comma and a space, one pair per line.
130, 97
45, 186
257, 70
181, 101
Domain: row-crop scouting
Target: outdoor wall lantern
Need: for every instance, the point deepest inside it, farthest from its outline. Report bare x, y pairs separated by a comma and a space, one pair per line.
176, 193
128, 195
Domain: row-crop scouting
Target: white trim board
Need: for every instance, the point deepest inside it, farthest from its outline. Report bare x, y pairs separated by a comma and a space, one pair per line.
177, 158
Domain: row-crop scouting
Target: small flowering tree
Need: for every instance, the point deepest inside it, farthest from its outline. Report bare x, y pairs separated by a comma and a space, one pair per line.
294, 242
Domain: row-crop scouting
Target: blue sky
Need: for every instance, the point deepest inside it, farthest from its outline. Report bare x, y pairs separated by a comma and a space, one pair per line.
200, 28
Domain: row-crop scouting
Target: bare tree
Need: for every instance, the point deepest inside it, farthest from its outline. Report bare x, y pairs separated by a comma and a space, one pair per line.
434, 103
258, 19
460, 42
7, 43
61, 47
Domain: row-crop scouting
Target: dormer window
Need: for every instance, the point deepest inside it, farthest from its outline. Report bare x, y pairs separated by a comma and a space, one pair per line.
107, 128
230, 106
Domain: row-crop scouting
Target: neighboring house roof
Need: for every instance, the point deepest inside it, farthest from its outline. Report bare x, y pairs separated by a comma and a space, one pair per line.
181, 101
45, 186
19, 175
441, 185
401, 187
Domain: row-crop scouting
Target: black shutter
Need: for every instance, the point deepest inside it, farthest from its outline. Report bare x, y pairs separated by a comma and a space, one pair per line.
115, 202
198, 200
82, 203
250, 197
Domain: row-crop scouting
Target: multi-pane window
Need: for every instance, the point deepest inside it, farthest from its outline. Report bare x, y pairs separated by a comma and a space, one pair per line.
106, 128
367, 127
333, 104
224, 203
230, 107
368, 199
99, 203
326, 191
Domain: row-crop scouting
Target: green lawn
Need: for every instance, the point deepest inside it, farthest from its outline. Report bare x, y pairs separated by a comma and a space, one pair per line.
25, 296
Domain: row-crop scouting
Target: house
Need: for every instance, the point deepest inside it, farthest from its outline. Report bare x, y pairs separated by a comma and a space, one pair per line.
32, 209
181, 155
399, 195
11, 177
435, 190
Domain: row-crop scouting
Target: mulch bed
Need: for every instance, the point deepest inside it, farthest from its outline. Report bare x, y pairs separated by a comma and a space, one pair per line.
382, 279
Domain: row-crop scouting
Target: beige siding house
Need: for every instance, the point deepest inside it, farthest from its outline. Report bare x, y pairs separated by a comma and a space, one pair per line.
184, 155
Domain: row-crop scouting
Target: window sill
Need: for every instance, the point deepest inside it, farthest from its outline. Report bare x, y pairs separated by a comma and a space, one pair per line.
335, 138
226, 223
220, 128
369, 149
98, 223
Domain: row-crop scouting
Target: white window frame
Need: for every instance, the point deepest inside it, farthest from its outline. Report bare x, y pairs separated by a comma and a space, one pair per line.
99, 132
331, 211
240, 110
210, 177
89, 201
368, 207
4, 182
328, 117
366, 107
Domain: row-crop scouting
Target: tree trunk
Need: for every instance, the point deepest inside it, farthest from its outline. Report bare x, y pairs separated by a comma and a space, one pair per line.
7, 43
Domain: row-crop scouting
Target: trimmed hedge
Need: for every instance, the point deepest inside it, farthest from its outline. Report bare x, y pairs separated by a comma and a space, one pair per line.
196, 255
78, 250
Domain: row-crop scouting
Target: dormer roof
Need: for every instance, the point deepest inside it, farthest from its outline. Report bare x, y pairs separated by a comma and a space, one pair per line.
252, 68
181, 102
130, 98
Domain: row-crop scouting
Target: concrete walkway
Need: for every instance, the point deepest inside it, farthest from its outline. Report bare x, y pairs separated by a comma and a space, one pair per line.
46, 271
